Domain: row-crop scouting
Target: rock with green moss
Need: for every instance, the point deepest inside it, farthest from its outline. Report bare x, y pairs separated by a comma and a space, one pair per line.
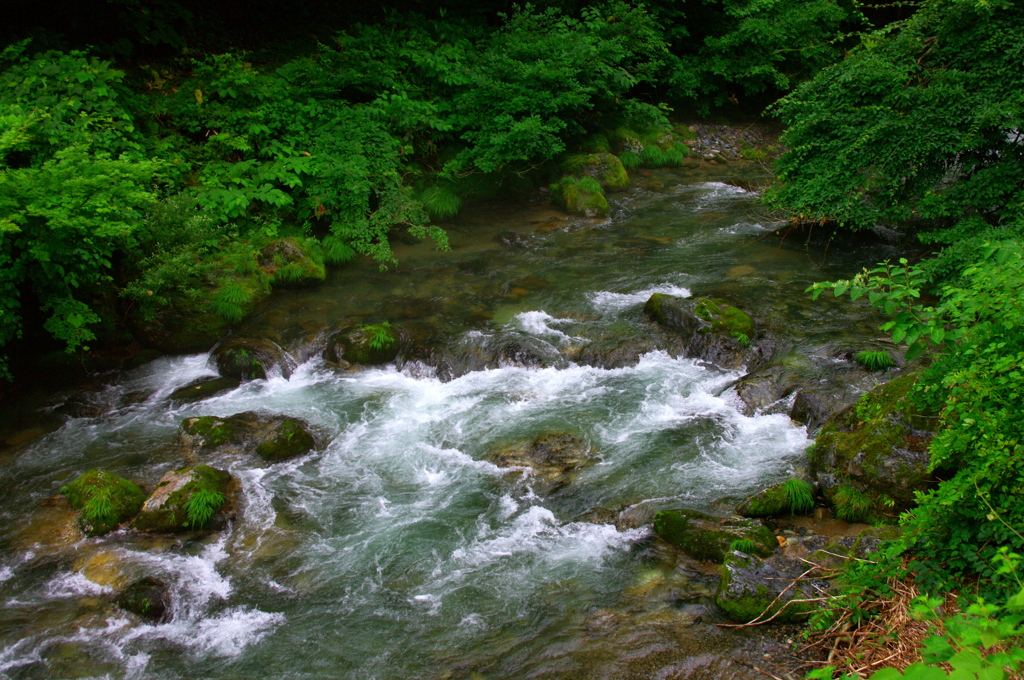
148, 598
713, 330
580, 196
705, 537
606, 168
872, 458
369, 345
794, 496
293, 262
753, 588
104, 500
203, 388
273, 438
553, 456
189, 499
251, 359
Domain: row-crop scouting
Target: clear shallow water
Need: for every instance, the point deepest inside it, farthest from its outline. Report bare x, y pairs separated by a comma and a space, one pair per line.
398, 550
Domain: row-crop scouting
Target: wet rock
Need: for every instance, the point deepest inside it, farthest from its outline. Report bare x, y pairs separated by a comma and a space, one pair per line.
766, 387
813, 406
553, 455
251, 359
148, 598
104, 569
578, 196
872, 458
189, 499
203, 388
52, 529
368, 345
604, 167
750, 586
104, 500
709, 538
273, 438
292, 262
776, 500
712, 330
611, 352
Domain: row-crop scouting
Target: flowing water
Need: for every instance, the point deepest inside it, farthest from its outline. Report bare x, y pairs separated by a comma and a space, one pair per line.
398, 550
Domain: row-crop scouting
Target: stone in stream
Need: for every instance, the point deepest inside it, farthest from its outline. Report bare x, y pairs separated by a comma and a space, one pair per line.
103, 500
705, 537
292, 262
712, 330
203, 388
369, 345
148, 598
273, 438
553, 456
251, 358
189, 499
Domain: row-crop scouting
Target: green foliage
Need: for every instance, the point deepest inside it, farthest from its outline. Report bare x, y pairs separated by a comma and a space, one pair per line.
653, 156
440, 202
800, 496
380, 335
201, 505
874, 360
631, 160
742, 338
744, 545
852, 505
104, 500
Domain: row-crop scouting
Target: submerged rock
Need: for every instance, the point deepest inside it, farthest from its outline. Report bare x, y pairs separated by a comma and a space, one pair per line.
251, 358
148, 598
104, 569
705, 537
189, 499
104, 500
872, 458
273, 438
712, 330
553, 455
203, 388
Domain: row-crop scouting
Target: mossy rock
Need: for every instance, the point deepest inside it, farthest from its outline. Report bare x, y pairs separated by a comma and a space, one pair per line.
273, 438
250, 358
291, 439
203, 388
749, 586
293, 262
775, 500
189, 499
877, 448
362, 345
147, 598
552, 455
723, 317
606, 168
580, 196
705, 537
104, 500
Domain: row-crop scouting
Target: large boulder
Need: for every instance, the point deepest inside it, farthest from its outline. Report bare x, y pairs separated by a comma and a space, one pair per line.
203, 388
104, 500
713, 330
369, 345
553, 456
751, 588
273, 438
794, 496
292, 262
580, 196
705, 537
872, 458
251, 358
604, 167
189, 499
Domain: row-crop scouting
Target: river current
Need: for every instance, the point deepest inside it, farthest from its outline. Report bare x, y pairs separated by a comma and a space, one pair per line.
398, 550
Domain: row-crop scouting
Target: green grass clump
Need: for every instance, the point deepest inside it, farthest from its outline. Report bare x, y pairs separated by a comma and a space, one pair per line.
653, 156
874, 360
104, 499
380, 335
744, 545
852, 505
440, 202
201, 505
800, 496
589, 185
673, 157
630, 160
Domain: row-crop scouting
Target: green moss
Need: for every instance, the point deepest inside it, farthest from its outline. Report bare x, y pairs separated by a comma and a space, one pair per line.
751, 600
724, 317
683, 132
794, 496
606, 168
204, 389
752, 154
291, 439
580, 196
293, 262
104, 499
190, 507
215, 431
708, 538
